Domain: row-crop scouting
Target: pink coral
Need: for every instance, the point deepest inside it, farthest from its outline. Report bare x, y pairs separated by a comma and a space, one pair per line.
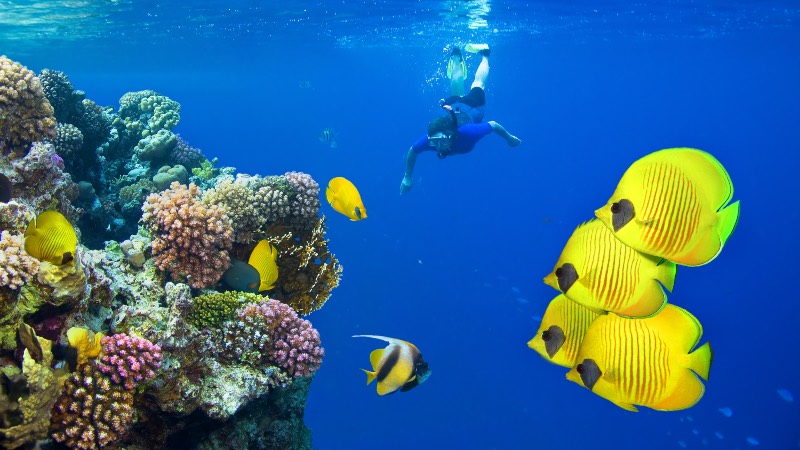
294, 345
191, 239
129, 360
16, 266
27, 115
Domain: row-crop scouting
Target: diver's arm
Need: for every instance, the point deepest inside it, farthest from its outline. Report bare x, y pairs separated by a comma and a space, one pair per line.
411, 160
511, 140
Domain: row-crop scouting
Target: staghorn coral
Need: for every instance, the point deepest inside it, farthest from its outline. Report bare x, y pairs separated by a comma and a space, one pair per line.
25, 114
271, 333
129, 360
92, 412
309, 271
191, 239
16, 266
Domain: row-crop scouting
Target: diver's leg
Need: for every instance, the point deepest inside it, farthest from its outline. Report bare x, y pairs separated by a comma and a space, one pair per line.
483, 71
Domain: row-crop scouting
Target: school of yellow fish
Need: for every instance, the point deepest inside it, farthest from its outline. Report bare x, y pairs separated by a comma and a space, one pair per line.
611, 325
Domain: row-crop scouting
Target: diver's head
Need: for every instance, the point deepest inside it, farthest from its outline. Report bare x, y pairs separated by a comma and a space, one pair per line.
441, 131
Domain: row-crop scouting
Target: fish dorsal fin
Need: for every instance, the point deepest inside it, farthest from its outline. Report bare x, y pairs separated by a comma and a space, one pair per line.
375, 358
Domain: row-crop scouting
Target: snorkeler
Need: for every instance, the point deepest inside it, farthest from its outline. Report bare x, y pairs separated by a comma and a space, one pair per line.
462, 127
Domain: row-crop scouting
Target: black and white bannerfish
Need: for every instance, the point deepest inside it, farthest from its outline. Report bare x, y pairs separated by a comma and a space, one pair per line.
398, 366
328, 136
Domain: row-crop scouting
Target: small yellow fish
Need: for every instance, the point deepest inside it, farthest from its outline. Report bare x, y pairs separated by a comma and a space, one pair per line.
672, 204
561, 332
646, 362
264, 258
344, 197
329, 136
50, 237
598, 271
398, 366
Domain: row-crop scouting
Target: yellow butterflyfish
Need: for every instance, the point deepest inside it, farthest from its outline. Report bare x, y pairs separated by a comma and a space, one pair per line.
265, 259
344, 197
561, 332
672, 204
50, 237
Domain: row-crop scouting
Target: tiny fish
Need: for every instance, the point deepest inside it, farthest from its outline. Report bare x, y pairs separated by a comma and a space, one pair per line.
329, 136
305, 84
727, 412
752, 441
786, 395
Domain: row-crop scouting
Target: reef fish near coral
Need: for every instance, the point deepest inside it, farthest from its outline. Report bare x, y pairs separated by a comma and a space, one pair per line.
646, 362
344, 198
398, 366
242, 277
672, 204
561, 332
5, 189
264, 258
50, 237
598, 271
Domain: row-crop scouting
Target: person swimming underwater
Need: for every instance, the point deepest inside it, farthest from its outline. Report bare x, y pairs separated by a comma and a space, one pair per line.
462, 127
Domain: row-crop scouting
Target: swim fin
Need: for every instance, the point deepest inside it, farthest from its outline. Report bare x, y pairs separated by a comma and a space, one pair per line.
456, 61
476, 48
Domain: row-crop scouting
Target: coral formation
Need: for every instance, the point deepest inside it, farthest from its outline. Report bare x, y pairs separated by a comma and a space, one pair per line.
212, 310
191, 239
27, 116
129, 360
16, 266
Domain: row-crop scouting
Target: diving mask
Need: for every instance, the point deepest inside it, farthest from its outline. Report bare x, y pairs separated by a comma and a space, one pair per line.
440, 141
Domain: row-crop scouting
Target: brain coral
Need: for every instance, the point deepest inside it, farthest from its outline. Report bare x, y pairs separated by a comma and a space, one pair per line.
191, 239
26, 116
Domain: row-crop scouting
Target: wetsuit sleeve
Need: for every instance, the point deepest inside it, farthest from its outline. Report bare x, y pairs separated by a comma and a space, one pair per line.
422, 145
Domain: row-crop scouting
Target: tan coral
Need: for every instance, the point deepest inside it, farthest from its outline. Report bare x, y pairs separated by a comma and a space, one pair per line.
25, 114
16, 266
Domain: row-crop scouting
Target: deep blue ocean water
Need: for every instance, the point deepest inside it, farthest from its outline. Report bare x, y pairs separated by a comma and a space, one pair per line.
456, 265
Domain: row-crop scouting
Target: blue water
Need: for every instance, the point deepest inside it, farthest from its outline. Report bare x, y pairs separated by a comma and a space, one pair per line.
456, 265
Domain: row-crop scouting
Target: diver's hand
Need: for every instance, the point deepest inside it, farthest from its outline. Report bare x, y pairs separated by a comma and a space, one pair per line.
405, 185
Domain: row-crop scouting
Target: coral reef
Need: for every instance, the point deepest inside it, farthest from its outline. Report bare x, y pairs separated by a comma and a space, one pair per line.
191, 239
136, 346
27, 116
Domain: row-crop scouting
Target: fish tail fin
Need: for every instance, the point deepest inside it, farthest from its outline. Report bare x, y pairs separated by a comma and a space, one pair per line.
728, 218
370, 375
666, 274
700, 360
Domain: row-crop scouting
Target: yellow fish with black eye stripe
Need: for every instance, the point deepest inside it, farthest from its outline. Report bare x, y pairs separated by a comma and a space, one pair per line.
647, 362
264, 258
561, 332
398, 366
50, 237
598, 271
673, 204
344, 197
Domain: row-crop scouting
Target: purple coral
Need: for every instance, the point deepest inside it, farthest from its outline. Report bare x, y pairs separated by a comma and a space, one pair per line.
294, 345
129, 360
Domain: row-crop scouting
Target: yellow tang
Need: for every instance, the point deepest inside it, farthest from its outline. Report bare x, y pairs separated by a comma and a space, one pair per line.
598, 271
672, 204
265, 259
344, 197
561, 331
398, 366
50, 237
645, 361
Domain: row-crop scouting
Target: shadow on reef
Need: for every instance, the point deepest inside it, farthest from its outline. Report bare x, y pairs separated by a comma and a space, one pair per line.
118, 326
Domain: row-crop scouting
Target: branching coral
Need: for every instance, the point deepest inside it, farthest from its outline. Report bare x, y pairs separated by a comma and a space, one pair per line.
191, 239
16, 266
129, 360
25, 114
92, 412
309, 271
271, 333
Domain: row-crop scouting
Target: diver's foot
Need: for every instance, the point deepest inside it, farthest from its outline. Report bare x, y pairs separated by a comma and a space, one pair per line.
482, 49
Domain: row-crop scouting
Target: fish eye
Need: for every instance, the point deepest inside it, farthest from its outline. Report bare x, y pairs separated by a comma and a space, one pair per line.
615, 208
546, 336
580, 369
